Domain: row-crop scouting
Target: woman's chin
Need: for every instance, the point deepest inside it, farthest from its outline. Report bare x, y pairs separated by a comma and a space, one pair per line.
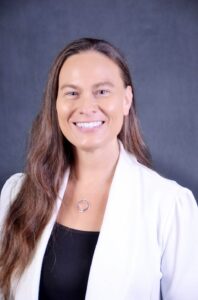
88, 147
96, 145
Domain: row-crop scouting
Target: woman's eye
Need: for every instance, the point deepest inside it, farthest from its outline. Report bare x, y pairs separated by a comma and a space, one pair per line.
71, 94
102, 92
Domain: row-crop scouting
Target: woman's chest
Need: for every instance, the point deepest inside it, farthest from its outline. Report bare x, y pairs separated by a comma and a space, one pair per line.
83, 207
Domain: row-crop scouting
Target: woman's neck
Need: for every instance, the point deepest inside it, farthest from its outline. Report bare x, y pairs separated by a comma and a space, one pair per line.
98, 164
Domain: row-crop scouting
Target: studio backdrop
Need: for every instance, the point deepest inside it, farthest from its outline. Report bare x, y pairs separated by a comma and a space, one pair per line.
159, 39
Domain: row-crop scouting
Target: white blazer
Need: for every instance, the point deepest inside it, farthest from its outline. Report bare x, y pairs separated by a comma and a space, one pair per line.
148, 240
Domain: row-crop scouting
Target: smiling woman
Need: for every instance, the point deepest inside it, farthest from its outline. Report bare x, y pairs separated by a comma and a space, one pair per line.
89, 218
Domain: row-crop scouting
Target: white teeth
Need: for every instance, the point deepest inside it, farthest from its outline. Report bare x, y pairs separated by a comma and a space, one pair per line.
89, 124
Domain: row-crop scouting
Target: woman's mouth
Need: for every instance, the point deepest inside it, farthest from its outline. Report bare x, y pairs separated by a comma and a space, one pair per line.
93, 124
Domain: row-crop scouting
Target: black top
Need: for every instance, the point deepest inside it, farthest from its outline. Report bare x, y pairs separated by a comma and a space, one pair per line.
66, 264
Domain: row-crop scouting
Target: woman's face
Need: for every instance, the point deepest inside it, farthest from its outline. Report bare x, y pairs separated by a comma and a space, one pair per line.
92, 100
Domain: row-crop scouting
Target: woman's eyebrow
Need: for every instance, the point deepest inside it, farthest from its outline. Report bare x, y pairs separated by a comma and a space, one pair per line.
65, 85
73, 86
109, 83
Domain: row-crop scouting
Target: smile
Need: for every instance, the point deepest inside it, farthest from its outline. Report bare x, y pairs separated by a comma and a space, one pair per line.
89, 124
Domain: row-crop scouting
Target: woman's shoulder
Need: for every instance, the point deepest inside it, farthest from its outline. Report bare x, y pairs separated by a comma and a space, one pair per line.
160, 189
161, 184
13, 184
171, 205
9, 191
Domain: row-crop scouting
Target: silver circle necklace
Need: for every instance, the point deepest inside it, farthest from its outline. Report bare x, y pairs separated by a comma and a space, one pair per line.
82, 205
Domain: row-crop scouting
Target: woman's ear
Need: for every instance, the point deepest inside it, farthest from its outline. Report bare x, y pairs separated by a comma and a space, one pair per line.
128, 100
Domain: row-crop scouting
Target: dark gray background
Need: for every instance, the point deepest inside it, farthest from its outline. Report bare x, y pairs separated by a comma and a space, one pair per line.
160, 41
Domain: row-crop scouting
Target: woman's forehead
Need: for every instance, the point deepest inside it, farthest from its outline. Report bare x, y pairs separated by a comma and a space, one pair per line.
89, 65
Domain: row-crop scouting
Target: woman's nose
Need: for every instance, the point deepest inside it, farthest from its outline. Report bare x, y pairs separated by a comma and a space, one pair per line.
87, 104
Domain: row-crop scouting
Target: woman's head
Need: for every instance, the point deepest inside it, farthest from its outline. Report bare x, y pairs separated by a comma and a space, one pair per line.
92, 100
85, 53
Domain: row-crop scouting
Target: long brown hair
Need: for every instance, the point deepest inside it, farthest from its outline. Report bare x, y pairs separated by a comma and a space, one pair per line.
49, 154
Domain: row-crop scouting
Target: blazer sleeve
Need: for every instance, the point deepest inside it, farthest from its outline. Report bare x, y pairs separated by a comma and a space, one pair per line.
179, 264
8, 194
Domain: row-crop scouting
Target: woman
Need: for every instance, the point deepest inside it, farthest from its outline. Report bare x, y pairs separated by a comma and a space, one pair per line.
90, 219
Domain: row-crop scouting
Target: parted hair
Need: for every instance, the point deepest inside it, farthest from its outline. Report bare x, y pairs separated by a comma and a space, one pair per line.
49, 154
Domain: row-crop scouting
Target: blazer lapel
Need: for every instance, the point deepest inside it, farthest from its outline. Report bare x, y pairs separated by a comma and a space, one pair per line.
113, 260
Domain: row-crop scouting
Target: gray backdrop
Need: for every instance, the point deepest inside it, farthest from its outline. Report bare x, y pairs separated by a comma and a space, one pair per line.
160, 41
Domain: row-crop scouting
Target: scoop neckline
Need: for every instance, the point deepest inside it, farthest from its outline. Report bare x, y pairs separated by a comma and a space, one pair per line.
74, 230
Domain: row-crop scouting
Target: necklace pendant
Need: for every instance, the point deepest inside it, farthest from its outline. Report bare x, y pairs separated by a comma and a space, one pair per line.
82, 205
